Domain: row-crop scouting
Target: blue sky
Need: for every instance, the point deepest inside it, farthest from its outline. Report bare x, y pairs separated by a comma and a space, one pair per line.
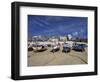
57, 25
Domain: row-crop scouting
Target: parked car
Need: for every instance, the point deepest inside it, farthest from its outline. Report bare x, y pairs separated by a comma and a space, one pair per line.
66, 47
79, 47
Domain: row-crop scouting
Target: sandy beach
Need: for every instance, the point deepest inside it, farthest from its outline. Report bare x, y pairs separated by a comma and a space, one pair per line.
47, 58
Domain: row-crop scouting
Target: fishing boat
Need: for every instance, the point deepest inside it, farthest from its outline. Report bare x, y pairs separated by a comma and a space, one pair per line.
79, 47
55, 48
30, 47
39, 48
66, 48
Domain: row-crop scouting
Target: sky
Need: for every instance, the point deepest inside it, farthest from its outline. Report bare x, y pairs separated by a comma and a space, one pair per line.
57, 25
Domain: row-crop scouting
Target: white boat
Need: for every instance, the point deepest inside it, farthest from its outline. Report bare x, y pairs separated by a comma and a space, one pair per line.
55, 48
39, 48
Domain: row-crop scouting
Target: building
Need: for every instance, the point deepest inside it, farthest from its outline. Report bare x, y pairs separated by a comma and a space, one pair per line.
63, 38
39, 38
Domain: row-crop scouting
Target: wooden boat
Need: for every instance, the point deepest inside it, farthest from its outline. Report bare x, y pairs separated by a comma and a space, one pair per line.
55, 48
66, 48
39, 48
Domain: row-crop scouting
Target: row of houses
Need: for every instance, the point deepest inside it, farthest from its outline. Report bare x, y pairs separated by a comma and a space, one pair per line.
48, 38
56, 38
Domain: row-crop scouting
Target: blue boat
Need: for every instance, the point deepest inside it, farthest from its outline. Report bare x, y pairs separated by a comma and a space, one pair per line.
79, 47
